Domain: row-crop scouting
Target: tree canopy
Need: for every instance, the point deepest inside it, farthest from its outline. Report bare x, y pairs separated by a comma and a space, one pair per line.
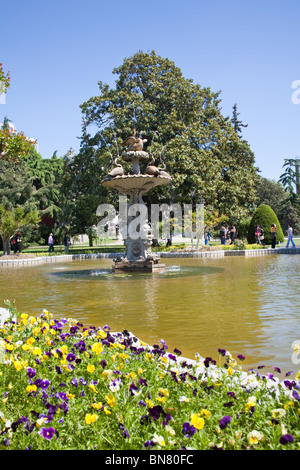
183, 123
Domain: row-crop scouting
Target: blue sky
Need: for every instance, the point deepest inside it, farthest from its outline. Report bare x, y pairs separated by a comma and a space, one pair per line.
57, 52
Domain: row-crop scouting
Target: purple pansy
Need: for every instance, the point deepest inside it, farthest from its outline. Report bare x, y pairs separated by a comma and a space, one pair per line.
286, 439
47, 433
224, 422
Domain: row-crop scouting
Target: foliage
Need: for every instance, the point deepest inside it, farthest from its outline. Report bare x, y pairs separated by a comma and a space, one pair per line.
185, 130
264, 216
291, 217
47, 174
82, 190
14, 220
4, 79
17, 199
13, 145
273, 194
289, 178
64, 386
237, 124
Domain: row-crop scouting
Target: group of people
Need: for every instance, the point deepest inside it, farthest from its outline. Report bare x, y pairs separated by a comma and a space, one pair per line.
260, 236
228, 235
67, 243
17, 243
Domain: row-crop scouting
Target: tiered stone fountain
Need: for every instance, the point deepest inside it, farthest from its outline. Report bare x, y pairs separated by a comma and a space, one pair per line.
138, 256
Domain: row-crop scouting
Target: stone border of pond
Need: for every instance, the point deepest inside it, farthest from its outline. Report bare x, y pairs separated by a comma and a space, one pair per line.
180, 254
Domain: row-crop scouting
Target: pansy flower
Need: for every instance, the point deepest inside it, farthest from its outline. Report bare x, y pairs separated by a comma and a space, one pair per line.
47, 433
188, 430
224, 422
286, 439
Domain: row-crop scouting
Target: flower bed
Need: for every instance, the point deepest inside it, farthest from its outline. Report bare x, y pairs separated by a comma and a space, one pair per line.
64, 386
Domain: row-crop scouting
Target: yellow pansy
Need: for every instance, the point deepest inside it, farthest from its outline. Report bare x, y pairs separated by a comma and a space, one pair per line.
31, 388
251, 403
97, 348
90, 368
102, 334
30, 340
36, 351
164, 391
130, 375
161, 399
196, 421
110, 400
64, 349
149, 357
149, 403
97, 406
18, 365
204, 412
123, 356
288, 405
92, 387
90, 418
45, 326
254, 437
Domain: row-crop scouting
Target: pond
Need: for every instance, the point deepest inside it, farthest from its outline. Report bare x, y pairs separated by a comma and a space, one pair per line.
248, 306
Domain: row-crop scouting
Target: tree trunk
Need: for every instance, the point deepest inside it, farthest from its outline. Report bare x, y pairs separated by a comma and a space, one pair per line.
90, 240
6, 245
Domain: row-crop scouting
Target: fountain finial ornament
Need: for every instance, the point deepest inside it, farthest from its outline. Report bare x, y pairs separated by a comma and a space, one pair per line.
138, 256
133, 143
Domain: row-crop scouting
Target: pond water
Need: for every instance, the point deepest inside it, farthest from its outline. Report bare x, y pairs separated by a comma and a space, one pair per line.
248, 306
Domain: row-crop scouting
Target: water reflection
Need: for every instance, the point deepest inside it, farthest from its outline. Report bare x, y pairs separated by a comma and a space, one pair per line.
247, 306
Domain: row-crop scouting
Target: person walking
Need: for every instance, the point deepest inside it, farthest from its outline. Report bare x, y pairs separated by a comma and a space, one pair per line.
257, 235
222, 235
207, 236
17, 243
51, 243
233, 234
290, 235
273, 235
67, 242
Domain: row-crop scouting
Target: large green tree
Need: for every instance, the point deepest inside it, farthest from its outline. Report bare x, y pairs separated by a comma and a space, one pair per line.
46, 175
202, 149
18, 204
290, 181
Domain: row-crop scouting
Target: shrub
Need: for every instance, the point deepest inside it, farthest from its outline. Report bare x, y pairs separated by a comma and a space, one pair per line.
265, 216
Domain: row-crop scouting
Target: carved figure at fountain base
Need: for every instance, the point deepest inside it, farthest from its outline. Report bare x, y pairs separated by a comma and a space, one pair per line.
149, 265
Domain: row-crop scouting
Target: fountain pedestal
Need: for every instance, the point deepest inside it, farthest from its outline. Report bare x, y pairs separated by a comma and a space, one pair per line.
138, 256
